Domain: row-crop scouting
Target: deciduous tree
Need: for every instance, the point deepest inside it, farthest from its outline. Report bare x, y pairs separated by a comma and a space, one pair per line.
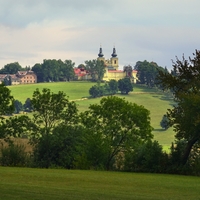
96, 68
184, 116
125, 85
6, 101
114, 125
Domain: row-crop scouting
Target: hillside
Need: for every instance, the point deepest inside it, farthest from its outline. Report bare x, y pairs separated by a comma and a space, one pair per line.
155, 101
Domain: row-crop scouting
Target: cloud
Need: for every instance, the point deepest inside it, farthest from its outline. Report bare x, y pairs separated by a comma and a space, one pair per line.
155, 30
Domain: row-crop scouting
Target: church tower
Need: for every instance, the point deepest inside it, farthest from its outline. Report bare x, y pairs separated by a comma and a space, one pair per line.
100, 55
114, 59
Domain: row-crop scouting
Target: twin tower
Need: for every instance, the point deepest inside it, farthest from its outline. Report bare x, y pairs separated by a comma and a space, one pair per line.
112, 63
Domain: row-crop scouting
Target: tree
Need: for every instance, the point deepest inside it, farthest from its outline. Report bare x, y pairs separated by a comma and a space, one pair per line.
165, 122
146, 157
50, 112
125, 85
184, 116
63, 147
54, 70
96, 68
97, 91
6, 101
27, 105
38, 70
113, 86
51, 109
11, 68
114, 126
17, 126
147, 72
18, 106
67, 70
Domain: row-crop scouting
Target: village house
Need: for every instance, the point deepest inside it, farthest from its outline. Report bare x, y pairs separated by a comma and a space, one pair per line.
21, 77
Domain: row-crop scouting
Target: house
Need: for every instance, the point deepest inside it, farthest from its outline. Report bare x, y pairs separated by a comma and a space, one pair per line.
27, 77
80, 73
21, 77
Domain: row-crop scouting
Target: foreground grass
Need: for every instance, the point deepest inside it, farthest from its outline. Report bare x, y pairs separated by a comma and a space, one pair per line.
25, 183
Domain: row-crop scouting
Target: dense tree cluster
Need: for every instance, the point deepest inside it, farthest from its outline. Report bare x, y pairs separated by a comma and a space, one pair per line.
96, 69
54, 70
147, 72
111, 87
96, 138
12, 68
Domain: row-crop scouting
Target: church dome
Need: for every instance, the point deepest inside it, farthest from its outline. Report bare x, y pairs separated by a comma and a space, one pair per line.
114, 53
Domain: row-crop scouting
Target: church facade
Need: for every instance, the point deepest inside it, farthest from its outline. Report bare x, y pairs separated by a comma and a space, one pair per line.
112, 68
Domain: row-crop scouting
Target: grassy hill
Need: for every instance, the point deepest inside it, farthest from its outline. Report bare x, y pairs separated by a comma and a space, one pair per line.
153, 100
28, 183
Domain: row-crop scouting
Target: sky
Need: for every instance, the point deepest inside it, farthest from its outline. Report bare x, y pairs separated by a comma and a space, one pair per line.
152, 30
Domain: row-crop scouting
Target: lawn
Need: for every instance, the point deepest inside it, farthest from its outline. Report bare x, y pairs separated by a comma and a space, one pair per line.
74, 90
155, 101
28, 183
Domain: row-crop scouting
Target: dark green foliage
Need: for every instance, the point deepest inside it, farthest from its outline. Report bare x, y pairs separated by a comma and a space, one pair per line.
96, 69
7, 80
165, 123
6, 101
147, 72
55, 117
60, 148
27, 105
97, 91
17, 126
146, 157
11, 68
109, 88
113, 86
185, 85
18, 106
14, 155
117, 125
125, 85
50, 109
54, 70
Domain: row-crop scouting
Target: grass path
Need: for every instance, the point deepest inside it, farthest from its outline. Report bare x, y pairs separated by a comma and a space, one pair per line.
28, 183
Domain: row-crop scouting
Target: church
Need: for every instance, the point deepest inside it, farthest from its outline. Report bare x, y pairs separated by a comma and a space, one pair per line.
112, 68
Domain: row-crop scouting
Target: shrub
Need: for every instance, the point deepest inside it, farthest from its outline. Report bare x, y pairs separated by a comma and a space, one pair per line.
146, 157
14, 155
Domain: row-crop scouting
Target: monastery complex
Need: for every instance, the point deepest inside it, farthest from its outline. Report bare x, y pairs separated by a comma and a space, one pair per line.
112, 68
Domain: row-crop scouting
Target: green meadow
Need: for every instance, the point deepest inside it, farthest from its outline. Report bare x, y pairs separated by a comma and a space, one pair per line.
155, 101
36, 184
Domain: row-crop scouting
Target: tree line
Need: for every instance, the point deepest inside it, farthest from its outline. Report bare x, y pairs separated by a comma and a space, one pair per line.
58, 70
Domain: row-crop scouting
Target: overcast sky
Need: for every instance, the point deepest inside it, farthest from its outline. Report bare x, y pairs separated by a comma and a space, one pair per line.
152, 30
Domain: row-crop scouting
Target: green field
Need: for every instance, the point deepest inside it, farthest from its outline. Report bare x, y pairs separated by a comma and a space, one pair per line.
153, 100
28, 183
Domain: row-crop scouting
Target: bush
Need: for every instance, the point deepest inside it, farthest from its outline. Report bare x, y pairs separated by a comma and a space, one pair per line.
58, 149
165, 122
146, 157
14, 155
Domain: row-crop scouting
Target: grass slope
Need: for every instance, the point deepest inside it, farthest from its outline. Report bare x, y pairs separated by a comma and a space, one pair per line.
157, 103
23, 183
